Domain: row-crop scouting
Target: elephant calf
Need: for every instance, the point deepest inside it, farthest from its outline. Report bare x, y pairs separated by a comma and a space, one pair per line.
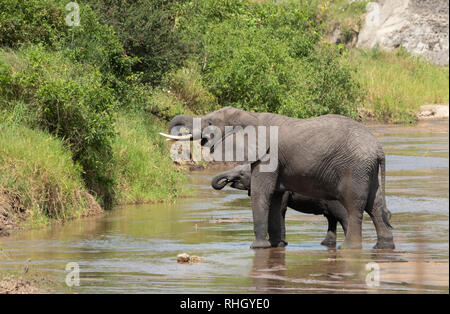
240, 178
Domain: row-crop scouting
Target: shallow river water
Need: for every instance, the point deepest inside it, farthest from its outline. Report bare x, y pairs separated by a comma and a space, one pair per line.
133, 249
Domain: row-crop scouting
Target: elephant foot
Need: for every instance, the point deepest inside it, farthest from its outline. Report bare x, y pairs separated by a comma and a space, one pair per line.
329, 243
350, 246
280, 243
330, 239
385, 244
260, 244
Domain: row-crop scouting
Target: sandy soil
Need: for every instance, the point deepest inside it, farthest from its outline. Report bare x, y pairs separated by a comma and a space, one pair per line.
24, 285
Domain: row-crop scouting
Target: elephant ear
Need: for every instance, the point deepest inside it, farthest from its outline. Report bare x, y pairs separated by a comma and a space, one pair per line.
248, 144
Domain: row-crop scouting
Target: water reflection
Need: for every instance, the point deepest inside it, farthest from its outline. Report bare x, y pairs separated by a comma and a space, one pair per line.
269, 270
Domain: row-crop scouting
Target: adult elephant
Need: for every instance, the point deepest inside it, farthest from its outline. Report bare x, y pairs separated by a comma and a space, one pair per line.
330, 157
334, 212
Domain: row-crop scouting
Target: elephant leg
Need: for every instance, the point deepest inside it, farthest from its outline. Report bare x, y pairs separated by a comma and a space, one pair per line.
385, 239
354, 200
344, 223
330, 239
276, 221
263, 190
284, 203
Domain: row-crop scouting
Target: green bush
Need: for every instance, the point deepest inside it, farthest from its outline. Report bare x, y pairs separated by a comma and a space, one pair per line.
268, 57
76, 108
187, 85
164, 105
147, 30
95, 43
325, 85
43, 22
31, 21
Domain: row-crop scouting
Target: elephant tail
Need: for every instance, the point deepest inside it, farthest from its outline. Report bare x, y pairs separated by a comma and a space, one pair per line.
386, 214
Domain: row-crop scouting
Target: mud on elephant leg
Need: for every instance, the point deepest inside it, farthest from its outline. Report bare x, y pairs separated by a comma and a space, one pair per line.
330, 239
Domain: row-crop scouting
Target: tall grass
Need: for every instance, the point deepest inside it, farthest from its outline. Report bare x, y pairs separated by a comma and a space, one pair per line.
39, 173
397, 84
145, 173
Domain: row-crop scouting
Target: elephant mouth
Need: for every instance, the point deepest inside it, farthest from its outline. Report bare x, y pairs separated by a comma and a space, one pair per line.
237, 185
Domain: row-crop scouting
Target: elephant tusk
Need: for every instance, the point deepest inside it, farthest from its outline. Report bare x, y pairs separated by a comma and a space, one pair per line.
176, 137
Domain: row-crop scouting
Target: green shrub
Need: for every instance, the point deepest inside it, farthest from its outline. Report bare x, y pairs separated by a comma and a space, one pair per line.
76, 108
268, 57
147, 30
95, 43
326, 84
43, 22
165, 105
187, 85
31, 21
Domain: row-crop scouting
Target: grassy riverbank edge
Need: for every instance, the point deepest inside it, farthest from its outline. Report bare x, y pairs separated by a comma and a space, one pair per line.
41, 185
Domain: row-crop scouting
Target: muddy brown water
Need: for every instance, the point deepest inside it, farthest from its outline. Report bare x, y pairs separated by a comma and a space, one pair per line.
133, 249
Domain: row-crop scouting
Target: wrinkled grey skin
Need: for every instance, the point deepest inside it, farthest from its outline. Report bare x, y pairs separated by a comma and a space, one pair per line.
330, 157
240, 178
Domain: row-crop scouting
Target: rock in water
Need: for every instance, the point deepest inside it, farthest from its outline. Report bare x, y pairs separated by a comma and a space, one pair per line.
183, 258
194, 259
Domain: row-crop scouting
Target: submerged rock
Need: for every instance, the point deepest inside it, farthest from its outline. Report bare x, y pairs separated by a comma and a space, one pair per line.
185, 258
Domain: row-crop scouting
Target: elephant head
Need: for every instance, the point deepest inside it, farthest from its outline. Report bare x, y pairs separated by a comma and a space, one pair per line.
256, 134
240, 178
182, 126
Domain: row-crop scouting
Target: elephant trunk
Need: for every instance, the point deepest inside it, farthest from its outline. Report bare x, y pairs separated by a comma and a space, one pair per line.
220, 181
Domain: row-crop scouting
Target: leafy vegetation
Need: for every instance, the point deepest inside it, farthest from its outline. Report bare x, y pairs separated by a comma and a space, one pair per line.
73, 84
78, 109
146, 31
342, 16
266, 57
